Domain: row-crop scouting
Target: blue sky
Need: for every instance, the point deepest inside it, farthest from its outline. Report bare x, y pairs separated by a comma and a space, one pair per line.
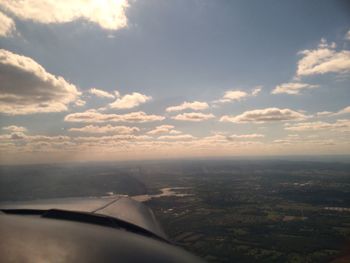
256, 77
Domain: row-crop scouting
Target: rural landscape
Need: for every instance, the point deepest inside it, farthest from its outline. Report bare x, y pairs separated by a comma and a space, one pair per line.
220, 210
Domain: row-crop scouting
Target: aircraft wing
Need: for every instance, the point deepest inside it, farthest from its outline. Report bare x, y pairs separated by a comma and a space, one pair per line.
98, 229
120, 207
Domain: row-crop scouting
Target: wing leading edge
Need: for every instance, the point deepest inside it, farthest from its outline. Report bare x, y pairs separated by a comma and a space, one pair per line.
119, 207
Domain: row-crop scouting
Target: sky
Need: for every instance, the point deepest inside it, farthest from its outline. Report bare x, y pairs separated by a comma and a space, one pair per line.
105, 80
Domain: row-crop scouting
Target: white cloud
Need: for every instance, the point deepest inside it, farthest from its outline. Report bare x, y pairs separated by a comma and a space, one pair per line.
245, 136
195, 105
215, 138
17, 141
293, 88
107, 141
92, 116
233, 95
193, 116
21, 137
174, 132
226, 141
64, 144
164, 129
237, 95
343, 111
339, 125
256, 90
129, 101
101, 93
38, 138
7, 26
108, 14
110, 138
80, 102
264, 115
14, 128
177, 137
106, 129
324, 59
324, 113
26, 87
347, 35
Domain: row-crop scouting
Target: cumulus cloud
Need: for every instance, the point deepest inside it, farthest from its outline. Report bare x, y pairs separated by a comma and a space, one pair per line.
7, 26
339, 125
256, 90
195, 105
264, 115
92, 116
164, 129
106, 129
101, 93
238, 95
324, 59
293, 88
26, 87
233, 95
193, 116
108, 14
14, 128
129, 101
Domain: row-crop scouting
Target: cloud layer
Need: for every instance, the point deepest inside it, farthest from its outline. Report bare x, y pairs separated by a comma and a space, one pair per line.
245, 136
179, 137
193, 116
339, 125
106, 129
14, 128
92, 116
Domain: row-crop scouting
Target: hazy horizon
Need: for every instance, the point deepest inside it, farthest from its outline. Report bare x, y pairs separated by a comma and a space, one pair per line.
336, 158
